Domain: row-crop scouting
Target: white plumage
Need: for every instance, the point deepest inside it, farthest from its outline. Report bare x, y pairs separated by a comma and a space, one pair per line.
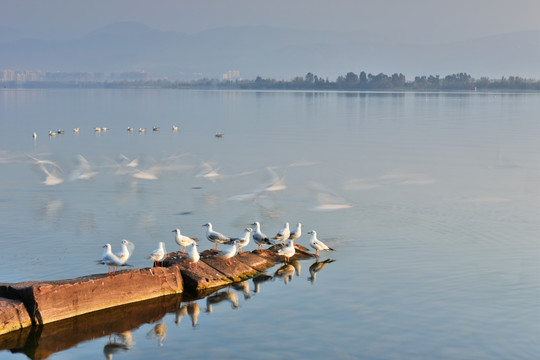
317, 244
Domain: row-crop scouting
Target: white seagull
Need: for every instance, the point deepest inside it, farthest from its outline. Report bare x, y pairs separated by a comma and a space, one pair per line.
243, 241
296, 233
110, 259
51, 173
284, 233
83, 171
183, 240
259, 237
193, 256
126, 250
317, 244
229, 252
214, 236
158, 254
287, 251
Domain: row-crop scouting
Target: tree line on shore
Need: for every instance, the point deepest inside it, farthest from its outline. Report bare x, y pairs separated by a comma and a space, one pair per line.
347, 82
363, 81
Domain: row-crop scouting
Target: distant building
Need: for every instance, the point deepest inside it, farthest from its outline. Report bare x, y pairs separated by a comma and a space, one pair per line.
8, 75
231, 75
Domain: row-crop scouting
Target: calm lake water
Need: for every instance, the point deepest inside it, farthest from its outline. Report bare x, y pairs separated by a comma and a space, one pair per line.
437, 249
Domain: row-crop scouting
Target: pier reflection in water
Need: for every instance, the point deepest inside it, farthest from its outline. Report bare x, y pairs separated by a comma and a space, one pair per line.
119, 326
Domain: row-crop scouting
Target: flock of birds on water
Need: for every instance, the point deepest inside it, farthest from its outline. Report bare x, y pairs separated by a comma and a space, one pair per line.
285, 237
133, 167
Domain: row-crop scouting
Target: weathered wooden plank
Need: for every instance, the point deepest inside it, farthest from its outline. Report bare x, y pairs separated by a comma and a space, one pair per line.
201, 276
254, 261
49, 301
13, 315
233, 268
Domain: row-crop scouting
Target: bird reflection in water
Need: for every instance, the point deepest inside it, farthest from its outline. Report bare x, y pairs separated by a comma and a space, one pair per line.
180, 313
297, 267
192, 309
220, 297
316, 267
244, 288
159, 331
125, 342
286, 272
258, 280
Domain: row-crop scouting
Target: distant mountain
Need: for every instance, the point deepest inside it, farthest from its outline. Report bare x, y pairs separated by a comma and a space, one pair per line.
267, 52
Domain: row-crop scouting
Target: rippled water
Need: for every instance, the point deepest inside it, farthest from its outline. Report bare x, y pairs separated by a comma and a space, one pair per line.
436, 257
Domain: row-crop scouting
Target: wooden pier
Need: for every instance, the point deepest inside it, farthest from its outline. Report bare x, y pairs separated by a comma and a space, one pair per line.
41, 302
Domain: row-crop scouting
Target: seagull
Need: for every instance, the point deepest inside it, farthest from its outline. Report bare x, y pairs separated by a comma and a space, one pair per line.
182, 240
126, 250
284, 233
193, 256
208, 172
175, 128
287, 251
110, 259
228, 253
327, 200
34, 135
296, 233
244, 240
142, 130
155, 128
76, 130
260, 238
317, 244
129, 129
158, 255
52, 177
214, 236
83, 171
52, 133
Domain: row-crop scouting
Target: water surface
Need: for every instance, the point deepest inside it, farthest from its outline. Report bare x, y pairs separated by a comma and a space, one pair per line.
436, 257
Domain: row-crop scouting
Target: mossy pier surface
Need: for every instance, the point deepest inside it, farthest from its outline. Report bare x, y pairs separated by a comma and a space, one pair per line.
41, 302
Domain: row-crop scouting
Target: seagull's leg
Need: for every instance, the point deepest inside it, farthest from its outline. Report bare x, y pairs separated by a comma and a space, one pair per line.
216, 246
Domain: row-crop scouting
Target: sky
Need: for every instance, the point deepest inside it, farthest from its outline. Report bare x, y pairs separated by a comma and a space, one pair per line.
402, 20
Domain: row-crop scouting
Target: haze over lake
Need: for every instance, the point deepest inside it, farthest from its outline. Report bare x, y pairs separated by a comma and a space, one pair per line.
436, 245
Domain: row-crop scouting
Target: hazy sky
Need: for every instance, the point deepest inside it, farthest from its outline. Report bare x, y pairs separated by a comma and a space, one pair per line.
424, 20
